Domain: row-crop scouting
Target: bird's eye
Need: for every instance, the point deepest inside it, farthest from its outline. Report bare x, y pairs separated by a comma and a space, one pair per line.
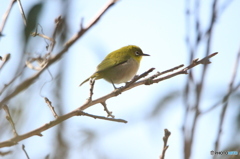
137, 53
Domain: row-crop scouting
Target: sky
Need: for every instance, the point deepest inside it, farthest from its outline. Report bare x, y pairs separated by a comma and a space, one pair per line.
159, 28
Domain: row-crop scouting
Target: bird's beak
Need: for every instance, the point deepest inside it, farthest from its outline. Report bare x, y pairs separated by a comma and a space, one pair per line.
145, 54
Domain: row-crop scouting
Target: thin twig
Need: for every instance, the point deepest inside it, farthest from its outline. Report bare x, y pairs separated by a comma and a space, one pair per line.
167, 133
43, 36
5, 16
23, 148
102, 117
9, 118
162, 73
184, 70
167, 71
109, 114
22, 12
49, 103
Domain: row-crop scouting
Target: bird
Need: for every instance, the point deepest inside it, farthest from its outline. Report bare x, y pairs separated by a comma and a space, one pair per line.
119, 66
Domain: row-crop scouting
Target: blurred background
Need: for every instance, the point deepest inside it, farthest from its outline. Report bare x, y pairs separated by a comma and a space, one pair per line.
201, 109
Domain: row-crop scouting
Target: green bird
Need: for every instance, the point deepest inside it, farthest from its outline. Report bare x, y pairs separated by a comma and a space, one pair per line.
119, 66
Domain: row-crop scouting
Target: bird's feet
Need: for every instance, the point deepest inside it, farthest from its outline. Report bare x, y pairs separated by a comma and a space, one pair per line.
118, 90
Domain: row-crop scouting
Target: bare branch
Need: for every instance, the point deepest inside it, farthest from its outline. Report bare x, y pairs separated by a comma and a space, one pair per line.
167, 71
102, 117
76, 112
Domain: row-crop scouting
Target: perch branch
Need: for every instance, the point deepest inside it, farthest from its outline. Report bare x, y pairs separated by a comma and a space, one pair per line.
79, 111
146, 82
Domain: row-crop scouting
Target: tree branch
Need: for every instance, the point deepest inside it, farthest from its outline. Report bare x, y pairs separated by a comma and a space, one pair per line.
25, 84
46, 126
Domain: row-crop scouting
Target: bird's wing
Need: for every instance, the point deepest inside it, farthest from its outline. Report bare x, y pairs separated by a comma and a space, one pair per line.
109, 63
113, 59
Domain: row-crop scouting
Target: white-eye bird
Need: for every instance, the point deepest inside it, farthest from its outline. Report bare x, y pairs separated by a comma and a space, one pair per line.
119, 66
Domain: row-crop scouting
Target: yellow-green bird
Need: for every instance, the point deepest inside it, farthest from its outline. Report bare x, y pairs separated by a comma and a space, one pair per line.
119, 66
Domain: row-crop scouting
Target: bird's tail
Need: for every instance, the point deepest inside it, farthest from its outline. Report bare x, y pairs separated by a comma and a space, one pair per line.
84, 81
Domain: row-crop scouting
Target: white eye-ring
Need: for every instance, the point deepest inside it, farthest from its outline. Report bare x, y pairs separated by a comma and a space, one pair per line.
137, 53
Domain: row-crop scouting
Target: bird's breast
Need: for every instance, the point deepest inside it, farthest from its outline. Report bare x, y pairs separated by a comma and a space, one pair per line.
123, 72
